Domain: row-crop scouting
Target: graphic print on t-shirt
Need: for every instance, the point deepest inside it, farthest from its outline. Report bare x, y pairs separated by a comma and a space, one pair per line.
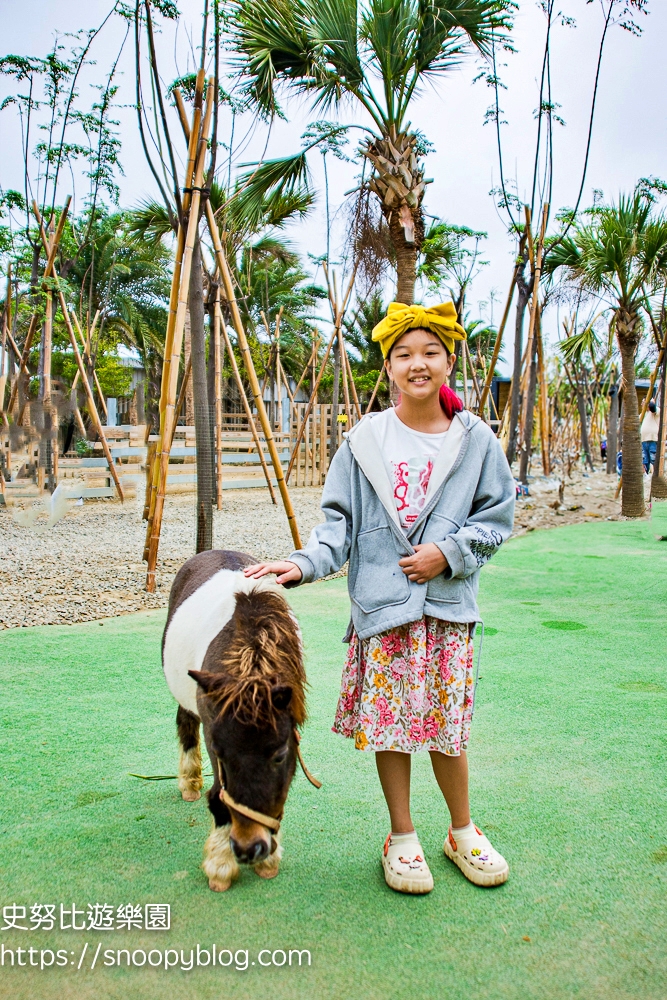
410, 484
409, 456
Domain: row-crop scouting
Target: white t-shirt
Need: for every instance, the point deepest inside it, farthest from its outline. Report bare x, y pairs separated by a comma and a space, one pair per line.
650, 426
409, 457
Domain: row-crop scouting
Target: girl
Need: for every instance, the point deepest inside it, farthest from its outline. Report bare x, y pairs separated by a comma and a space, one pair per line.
418, 498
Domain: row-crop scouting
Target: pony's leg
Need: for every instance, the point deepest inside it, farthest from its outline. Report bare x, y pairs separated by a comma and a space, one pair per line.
270, 866
190, 779
220, 866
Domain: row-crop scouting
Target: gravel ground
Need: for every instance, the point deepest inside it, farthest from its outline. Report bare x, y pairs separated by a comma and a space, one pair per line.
89, 566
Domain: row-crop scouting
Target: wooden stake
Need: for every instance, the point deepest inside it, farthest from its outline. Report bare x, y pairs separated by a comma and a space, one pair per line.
545, 428
180, 402
496, 347
244, 347
377, 388
246, 406
309, 405
192, 139
357, 404
173, 359
218, 399
51, 256
79, 362
89, 395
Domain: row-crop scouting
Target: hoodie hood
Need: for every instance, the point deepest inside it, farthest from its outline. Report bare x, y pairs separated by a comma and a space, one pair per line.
363, 445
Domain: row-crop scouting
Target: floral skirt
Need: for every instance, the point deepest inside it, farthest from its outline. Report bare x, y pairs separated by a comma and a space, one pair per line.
409, 689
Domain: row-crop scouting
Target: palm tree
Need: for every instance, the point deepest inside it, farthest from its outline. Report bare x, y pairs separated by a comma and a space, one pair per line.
376, 54
621, 254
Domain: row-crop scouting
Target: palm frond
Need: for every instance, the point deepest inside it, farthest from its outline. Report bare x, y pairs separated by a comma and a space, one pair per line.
149, 222
273, 40
274, 178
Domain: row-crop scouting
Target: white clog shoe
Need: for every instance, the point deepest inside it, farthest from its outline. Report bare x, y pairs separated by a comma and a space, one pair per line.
477, 859
405, 868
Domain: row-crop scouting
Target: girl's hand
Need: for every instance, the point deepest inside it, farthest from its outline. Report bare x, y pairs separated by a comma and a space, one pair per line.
427, 563
285, 571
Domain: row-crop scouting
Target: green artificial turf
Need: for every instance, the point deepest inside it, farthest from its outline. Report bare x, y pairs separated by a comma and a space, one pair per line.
568, 774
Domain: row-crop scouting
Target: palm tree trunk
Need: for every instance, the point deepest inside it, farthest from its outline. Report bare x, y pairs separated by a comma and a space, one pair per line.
201, 405
406, 262
612, 427
515, 398
632, 497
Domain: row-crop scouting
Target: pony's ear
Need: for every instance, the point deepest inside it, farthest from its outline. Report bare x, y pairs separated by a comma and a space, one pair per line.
206, 681
281, 696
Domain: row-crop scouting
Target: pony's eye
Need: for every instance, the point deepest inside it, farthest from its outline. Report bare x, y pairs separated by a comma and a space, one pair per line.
279, 757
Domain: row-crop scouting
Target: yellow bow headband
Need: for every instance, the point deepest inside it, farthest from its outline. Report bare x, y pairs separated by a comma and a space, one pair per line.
440, 320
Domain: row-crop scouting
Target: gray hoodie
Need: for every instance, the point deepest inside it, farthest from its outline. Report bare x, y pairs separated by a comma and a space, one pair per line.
468, 513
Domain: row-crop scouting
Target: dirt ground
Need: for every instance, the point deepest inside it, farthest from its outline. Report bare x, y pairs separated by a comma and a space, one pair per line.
586, 497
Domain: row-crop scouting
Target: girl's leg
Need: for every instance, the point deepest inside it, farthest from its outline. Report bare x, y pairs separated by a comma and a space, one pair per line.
452, 775
394, 771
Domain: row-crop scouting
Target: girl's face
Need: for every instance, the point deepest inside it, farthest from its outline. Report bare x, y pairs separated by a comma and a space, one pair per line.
419, 364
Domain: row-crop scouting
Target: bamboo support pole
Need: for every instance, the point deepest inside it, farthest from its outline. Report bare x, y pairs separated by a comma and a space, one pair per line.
173, 358
464, 375
357, 404
192, 140
50, 461
244, 347
309, 405
246, 406
79, 362
85, 343
218, 399
338, 319
537, 274
346, 385
496, 347
180, 402
51, 256
377, 387
89, 395
545, 429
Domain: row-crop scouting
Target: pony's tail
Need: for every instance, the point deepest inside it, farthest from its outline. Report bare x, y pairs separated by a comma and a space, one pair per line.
449, 401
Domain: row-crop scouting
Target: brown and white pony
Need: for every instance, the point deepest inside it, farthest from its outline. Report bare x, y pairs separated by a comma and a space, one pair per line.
233, 659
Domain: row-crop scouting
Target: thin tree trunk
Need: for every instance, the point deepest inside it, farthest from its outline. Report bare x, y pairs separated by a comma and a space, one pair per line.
201, 405
632, 497
189, 400
459, 306
612, 426
530, 416
515, 397
333, 436
583, 423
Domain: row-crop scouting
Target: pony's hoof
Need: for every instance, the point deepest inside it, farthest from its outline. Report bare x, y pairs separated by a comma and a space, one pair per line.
267, 869
218, 885
190, 795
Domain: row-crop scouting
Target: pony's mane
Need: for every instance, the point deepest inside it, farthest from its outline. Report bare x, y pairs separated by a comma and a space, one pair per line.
264, 651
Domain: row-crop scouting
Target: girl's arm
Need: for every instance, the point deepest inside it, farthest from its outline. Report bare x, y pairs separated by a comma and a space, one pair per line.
491, 518
328, 547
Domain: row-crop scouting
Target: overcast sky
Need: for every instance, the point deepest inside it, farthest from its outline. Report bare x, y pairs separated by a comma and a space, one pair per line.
629, 139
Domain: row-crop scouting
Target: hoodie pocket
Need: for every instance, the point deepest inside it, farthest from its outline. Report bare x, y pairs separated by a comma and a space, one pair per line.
380, 581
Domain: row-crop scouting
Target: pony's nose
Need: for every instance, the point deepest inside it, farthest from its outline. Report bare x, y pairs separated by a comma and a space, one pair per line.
256, 850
